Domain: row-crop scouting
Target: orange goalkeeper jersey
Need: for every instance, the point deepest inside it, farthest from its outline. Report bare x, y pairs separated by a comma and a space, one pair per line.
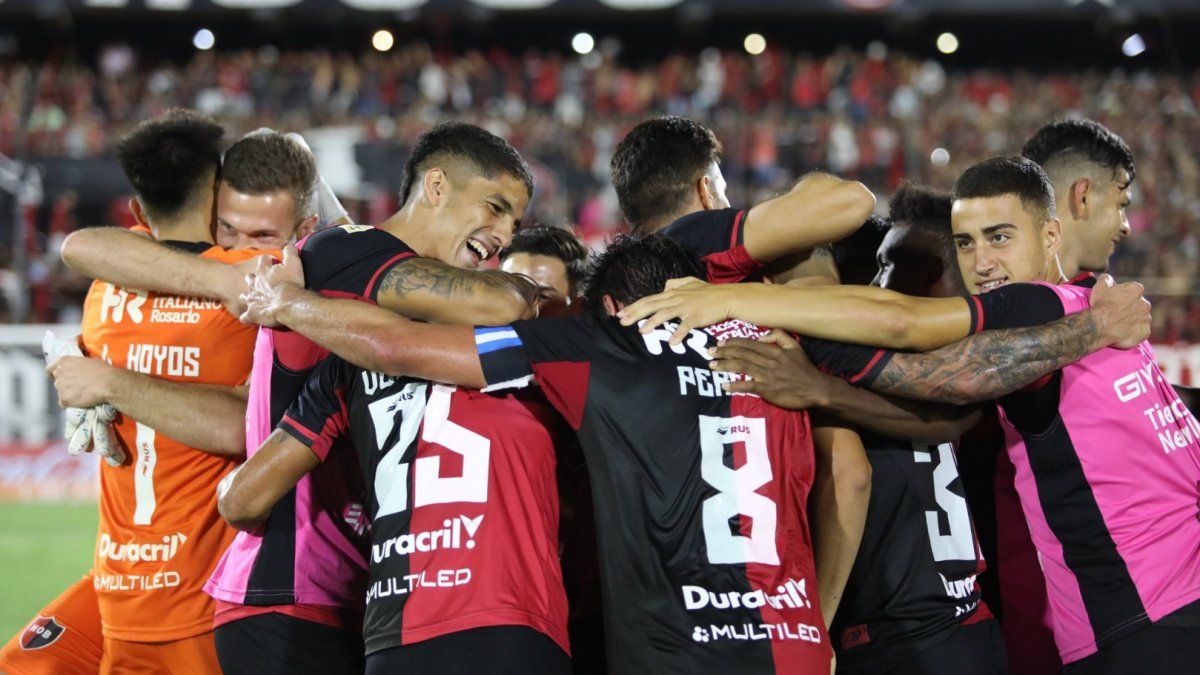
160, 534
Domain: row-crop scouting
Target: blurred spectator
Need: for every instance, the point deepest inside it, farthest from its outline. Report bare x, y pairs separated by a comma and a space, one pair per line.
875, 115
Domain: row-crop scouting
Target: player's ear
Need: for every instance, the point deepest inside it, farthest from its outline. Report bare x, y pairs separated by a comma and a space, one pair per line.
1077, 198
135, 207
705, 193
305, 227
1052, 236
611, 307
435, 186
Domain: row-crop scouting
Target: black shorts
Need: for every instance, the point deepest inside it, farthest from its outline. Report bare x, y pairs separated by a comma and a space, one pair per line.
278, 643
1170, 646
977, 649
497, 650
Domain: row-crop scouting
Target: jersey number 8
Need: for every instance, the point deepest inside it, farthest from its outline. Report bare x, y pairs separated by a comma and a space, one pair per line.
736, 491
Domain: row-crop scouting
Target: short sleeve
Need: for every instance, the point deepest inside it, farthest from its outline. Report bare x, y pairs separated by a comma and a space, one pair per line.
318, 416
1015, 306
716, 236
351, 259
854, 363
556, 353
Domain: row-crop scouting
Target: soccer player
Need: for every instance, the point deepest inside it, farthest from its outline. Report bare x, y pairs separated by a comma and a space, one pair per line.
1107, 457
1091, 170
290, 593
158, 537
690, 579
911, 604
492, 532
667, 176
558, 261
555, 259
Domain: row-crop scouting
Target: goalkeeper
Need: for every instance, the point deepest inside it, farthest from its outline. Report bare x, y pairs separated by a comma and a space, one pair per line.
174, 368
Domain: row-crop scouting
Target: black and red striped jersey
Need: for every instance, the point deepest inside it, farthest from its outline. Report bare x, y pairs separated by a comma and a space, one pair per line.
913, 581
705, 555
716, 236
462, 499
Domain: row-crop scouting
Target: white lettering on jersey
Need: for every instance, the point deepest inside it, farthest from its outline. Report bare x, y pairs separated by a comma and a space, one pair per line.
118, 302
160, 360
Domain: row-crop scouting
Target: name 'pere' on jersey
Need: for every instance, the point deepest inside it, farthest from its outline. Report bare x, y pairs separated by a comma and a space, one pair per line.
706, 558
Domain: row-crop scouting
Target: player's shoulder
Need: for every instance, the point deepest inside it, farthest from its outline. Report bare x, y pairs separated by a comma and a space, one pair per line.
342, 237
707, 231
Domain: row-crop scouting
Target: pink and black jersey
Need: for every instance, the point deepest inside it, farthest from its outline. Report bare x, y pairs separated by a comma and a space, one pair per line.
462, 497
716, 236
705, 556
1107, 463
312, 549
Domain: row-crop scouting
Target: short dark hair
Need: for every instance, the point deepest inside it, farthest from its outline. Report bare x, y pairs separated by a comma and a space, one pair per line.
636, 265
1064, 142
555, 242
854, 256
170, 160
265, 162
925, 209
656, 164
1009, 175
481, 150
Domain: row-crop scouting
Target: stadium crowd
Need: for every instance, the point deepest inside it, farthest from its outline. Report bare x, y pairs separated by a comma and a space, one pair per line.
875, 115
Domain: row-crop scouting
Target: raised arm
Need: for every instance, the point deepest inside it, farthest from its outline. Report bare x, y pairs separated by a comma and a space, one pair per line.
433, 291
818, 210
247, 495
855, 314
840, 494
366, 335
207, 417
128, 259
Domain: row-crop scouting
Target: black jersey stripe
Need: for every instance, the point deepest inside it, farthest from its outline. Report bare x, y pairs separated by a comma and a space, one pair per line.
1109, 596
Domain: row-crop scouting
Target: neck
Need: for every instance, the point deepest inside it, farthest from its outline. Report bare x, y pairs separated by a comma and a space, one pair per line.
185, 228
411, 225
1066, 254
656, 224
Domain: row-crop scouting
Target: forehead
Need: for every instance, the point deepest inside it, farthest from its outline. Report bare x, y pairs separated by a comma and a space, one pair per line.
271, 210
1121, 176
535, 265
506, 185
903, 236
970, 216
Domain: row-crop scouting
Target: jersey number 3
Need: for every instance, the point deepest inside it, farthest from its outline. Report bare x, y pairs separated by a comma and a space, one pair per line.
959, 543
736, 491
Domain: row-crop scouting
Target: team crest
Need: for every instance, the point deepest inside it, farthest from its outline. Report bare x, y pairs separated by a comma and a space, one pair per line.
41, 632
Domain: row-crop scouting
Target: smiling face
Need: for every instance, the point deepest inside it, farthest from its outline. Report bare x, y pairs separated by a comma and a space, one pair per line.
255, 221
477, 218
1096, 239
999, 241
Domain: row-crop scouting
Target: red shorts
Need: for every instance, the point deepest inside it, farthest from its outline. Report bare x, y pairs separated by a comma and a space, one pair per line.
63, 639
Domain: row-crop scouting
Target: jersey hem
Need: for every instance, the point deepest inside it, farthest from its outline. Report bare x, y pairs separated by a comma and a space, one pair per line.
904, 645
480, 619
169, 635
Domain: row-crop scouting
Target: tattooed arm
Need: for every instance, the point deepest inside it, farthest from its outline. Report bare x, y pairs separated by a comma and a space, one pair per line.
433, 291
991, 364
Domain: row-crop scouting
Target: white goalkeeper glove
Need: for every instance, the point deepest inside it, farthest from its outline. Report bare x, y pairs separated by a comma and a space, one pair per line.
84, 427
